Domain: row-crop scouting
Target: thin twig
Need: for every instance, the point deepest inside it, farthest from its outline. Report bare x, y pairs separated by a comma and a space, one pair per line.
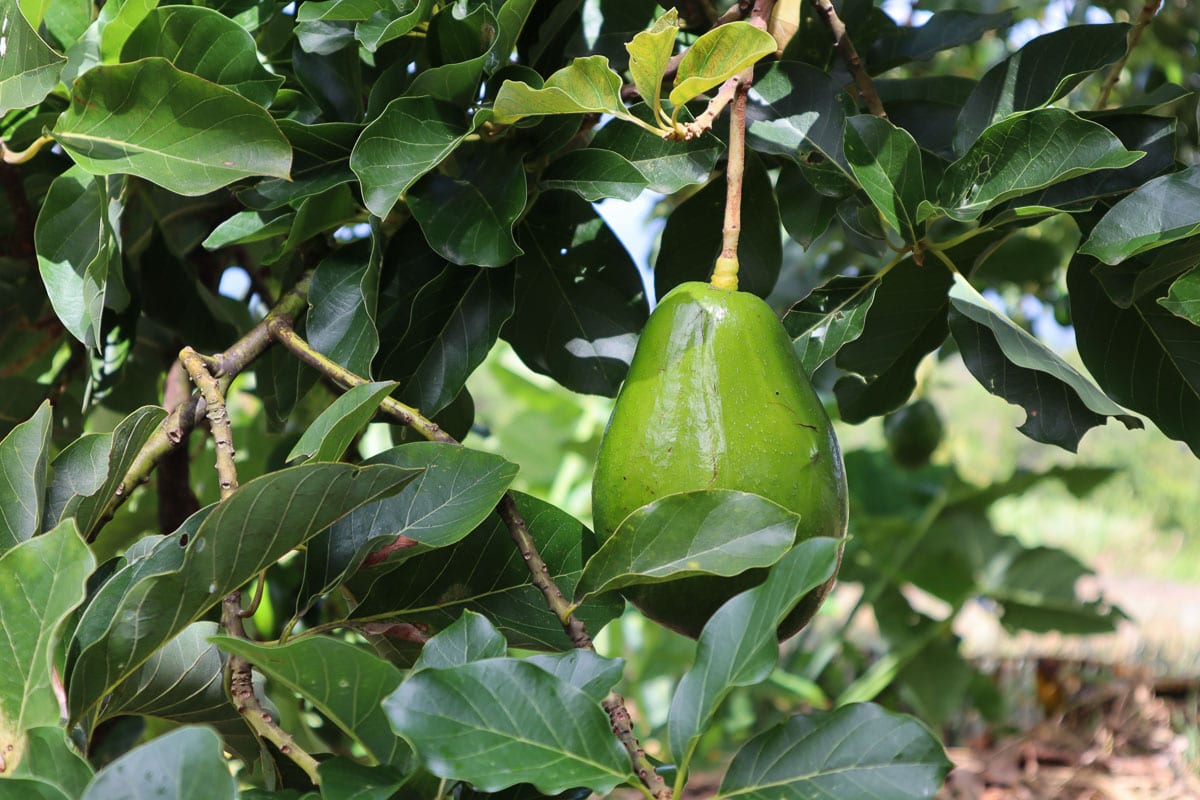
716, 105
845, 49
282, 331
1145, 16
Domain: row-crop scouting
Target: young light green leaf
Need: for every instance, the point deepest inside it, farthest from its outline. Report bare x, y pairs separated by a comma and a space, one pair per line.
595, 174
1026, 152
715, 532
77, 246
236, 540
327, 438
829, 317
887, 163
1182, 300
206, 43
738, 646
649, 53
717, 56
500, 722
342, 680
586, 85
471, 638
29, 68
410, 137
1061, 403
185, 764
42, 580
1162, 211
857, 751
118, 122
23, 472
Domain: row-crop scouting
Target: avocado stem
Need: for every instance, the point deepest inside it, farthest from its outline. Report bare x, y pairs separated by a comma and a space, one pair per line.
725, 274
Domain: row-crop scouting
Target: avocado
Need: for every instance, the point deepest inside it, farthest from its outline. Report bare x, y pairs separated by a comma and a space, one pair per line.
716, 398
913, 433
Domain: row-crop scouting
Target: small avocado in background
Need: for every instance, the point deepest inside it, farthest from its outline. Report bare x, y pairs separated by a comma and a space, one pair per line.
913, 432
716, 398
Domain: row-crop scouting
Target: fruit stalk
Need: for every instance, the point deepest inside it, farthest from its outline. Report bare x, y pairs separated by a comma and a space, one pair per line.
725, 274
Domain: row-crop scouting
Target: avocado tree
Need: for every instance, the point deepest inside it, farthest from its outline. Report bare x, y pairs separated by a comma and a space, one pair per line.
200, 569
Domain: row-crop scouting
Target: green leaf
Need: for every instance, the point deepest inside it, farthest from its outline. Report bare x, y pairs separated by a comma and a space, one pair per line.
50, 757
460, 45
242, 535
469, 218
410, 137
592, 674
667, 166
717, 56
804, 212
42, 580
1162, 211
1036, 589
1027, 152
948, 28
828, 318
857, 751
579, 299
29, 68
471, 638
1042, 71
341, 680
585, 86
207, 44
77, 248
500, 722
118, 123
1060, 403
185, 764
1143, 356
795, 110
321, 161
16, 788
246, 227
344, 297
511, 17
492, 579
454, 492
887, 163
1137, 277
691, 240
1182, 300
23, 472
327, 438
391, 23
649, 52
342, 778
716, 532
595, 174
739, 645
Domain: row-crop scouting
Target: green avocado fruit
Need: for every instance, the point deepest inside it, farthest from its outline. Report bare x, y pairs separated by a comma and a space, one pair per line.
716, 398
913, 433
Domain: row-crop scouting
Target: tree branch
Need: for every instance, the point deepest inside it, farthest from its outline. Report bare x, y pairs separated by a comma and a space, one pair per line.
725, 274
1145, 16
845, 49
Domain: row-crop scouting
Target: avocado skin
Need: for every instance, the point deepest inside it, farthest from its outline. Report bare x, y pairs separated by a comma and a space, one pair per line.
716, 398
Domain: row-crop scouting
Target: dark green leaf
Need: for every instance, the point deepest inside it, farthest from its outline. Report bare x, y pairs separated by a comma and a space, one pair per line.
245, 227
1143, 356
29, 69
327, 438
945, 29
343, 681
718, 532
1027, 152
1042, 71
887, 163
470, 638
1182, 300
185, 764
1137, 277
595, 174
828, 318
345, 779
50, 756
78, 251
23, 461
42, 580
1060, 403
580, 302
795, 110
499, 722
739, 644
667, 166
253, 528
206, 43
1037, 591
492, 579
1159, 212
118, 122
321, 161
594, 675
718, 55
691, 241
859, 752
392, 22
345, 298
410, 137
460, 44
